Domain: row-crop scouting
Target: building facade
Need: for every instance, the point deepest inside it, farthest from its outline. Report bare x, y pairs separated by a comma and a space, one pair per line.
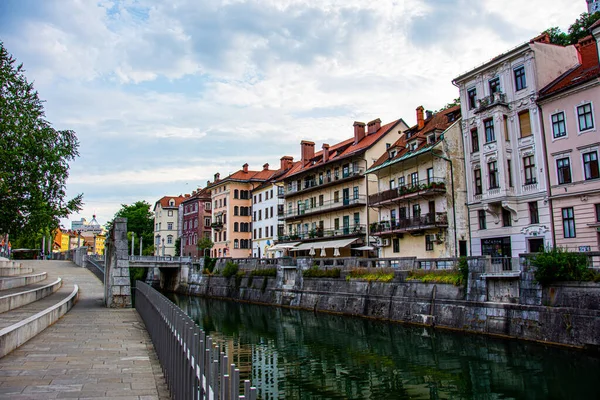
572, 147
267, 206
195, 222
421, 193
166, 221
326, 209
503, 146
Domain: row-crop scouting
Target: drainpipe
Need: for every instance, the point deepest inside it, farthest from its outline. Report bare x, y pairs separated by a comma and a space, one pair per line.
367, 242
453, 201
548, 192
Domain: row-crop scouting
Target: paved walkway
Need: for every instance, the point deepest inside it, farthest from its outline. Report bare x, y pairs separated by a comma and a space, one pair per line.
91, 353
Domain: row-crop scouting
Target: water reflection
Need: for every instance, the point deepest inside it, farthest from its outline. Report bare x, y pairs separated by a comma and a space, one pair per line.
291, 354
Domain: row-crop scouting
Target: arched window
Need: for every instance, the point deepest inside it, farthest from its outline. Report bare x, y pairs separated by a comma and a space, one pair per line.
236, 210
236, 244
236, 194
235, 227
169, 239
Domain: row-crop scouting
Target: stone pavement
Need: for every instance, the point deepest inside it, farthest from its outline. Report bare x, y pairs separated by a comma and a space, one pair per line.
91, 353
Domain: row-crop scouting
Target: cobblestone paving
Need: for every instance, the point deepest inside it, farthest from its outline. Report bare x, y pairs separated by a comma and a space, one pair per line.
91, 353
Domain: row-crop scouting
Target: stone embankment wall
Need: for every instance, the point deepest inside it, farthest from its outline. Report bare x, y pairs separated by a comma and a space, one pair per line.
566, 314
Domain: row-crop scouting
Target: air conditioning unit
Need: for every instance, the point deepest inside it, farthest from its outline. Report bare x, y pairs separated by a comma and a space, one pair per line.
385, 242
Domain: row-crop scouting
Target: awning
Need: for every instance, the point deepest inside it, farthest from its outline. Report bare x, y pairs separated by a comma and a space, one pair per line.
283, 246
330, 244
369, 248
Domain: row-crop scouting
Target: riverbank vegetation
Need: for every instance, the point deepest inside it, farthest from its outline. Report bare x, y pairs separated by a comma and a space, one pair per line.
371, 274
558, 264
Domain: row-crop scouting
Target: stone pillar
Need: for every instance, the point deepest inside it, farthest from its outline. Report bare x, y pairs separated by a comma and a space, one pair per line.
117, 289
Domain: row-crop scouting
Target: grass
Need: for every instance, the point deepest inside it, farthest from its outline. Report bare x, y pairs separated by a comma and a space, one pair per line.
371, 274
264, 272
447, 276
315, 272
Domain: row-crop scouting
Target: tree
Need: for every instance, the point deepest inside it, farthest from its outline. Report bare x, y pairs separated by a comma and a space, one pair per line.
140, 221
205, 244
34, 157
578, 30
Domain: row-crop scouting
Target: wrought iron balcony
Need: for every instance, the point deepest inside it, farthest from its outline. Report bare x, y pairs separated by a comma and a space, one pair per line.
427, 186
314, 184
217, 225
491, 101
424, 221
353, 230
326, 206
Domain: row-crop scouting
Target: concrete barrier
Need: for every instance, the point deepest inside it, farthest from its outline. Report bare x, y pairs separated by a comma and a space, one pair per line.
9, 264
15, 335
13, 271
23, 280
12, 301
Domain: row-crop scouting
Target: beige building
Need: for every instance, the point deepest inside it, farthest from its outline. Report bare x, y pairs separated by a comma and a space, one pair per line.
166, 220
326, 193
421, 195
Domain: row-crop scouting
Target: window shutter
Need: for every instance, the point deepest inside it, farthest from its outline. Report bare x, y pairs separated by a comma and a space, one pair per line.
525, 124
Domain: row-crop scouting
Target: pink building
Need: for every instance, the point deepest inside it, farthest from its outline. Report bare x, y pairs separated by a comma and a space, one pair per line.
196, 221
572, 149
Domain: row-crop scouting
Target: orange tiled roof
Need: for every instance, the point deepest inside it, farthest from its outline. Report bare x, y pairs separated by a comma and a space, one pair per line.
164, 201
438, 122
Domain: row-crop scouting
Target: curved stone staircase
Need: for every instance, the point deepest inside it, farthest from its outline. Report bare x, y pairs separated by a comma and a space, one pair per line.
31, 299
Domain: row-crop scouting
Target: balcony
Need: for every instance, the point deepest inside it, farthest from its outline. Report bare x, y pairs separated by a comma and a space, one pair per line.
316, 184
425, 221
491, 101
280, 192
316, 234
327, 206
425, 187
217, 225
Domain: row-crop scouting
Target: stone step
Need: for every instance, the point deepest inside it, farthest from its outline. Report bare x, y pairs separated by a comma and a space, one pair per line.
21, 280
23, 297
13, 271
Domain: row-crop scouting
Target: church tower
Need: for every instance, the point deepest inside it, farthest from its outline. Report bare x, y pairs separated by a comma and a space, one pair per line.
593, 6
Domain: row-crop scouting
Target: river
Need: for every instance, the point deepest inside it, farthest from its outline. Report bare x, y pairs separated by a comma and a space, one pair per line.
293, 354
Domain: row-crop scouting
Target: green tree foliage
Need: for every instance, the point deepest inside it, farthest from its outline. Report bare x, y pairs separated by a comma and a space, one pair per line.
205, 244
578, 30
455, 102
140, 221
558, 264
34, 157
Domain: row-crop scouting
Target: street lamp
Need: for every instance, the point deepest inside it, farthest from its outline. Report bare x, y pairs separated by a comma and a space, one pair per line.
163, 247
94, 244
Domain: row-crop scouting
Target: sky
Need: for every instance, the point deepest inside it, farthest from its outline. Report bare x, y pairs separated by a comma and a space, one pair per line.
164, 94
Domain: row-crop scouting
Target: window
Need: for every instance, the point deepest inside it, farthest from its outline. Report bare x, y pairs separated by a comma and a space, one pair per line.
559, 128
568, 222
529, 169
355, 192
236, 227
254, 234
493, 172
520, 81
336, 224
260, 233
356, 219
472, 96
525, 123
590, 165
236, 244
414, 179
321, 201
534, 215
402, 213
597, 206
236, 210
236, 194
477, 177
272, 212
481, 219
494, 85
563, 169
254, 216
474, 140
416, 210
392, 184
490, 136
396, 245
336, 196
509, 172
207, 221
429, 175
506, 218
506, 132
428, 242
169, 239
260, 197
170, 213
586, 120
260, 215
207, 205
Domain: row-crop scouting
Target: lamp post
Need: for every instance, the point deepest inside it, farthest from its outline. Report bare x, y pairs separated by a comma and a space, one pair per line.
94, 243
163, 247
141, 239
132, 242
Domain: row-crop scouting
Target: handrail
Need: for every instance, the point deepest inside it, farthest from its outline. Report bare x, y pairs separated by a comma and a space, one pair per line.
325, 206
193, 364
174, 259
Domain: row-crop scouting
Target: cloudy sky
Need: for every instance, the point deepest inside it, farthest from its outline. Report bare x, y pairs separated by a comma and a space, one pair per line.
164, 94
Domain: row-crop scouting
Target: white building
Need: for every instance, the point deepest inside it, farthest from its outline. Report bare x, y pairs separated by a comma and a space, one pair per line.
267, 207
593, 6
503, 145
166, 225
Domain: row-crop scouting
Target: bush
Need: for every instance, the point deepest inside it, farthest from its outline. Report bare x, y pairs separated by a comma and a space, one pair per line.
230, 269
315, 272
447, 276
264, 272
463, 269
371, 274
209, 264
558, 264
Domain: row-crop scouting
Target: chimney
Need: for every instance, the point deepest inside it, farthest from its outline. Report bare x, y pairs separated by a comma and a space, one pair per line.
307, 150
266, 167
245, 167
359, 131
428, 114
207, 183
325, 152
187, 195
587, 51
374, 126
286, 162
217, 176
420, 120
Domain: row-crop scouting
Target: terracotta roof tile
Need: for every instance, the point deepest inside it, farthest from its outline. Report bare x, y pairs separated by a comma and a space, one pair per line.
164, 201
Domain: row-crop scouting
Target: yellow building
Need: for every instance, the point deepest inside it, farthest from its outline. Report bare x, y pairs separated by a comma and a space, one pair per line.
326, 193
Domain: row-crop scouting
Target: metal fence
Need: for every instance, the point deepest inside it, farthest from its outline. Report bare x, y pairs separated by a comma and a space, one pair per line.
194, 366
96, 265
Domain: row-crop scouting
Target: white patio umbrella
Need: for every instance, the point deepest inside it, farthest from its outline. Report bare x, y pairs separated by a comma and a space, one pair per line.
336, 252
323, 253
312, 251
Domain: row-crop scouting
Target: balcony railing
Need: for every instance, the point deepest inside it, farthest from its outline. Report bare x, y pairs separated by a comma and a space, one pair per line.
425, 221
326, 180
217, 225
326, 206
491, 101
353, 230
432, 185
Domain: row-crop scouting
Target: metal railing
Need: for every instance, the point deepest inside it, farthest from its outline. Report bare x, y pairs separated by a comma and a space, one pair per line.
193, 364
490, 101
325, 206
326, 180
430, 220
356, 229
433, 185
96, 265
173, 259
